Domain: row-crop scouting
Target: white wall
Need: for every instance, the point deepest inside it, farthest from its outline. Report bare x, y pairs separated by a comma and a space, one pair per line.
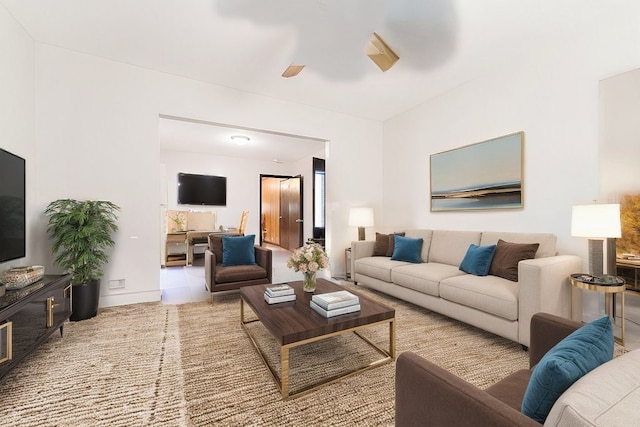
620, 136
98, 138
17, 117
243, 184
552, 95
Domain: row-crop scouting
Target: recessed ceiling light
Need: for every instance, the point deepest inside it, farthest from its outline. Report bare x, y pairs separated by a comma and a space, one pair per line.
240, 139
276, 161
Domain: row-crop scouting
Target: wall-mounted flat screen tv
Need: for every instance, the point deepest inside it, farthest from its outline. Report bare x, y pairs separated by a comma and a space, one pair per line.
12, 206
202, 190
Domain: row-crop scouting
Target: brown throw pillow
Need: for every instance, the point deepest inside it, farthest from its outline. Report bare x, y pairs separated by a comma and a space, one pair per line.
391, 246
508, 255
381, 245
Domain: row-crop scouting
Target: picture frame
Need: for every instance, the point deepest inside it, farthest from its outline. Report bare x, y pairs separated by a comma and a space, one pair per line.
479, 176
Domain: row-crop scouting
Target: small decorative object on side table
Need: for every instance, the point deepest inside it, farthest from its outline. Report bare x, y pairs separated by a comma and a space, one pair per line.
309, 259
609, 286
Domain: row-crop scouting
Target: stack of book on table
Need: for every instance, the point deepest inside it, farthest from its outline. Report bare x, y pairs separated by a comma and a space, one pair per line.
335, 303
279, 293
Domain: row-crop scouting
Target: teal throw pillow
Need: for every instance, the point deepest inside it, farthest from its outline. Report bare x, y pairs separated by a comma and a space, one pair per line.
238, 250
478, 259
406, 249
570, 359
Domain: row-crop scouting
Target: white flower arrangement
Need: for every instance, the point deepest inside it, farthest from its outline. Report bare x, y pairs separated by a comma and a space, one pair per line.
309, 258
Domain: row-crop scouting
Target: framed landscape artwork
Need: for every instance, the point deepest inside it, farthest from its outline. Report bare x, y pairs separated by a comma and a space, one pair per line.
485, 175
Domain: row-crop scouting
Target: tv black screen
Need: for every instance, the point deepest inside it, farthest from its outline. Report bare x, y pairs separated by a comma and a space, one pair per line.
202, 190
12, 206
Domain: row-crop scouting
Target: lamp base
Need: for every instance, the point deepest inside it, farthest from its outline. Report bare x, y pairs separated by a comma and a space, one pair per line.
612, 269
595, 257
360, 233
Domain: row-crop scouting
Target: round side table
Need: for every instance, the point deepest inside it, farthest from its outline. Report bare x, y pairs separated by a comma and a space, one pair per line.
609, 286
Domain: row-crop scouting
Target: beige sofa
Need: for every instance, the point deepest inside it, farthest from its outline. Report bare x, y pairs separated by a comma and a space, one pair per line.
495, 304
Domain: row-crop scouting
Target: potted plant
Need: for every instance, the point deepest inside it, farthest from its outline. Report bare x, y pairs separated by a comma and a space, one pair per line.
81, 231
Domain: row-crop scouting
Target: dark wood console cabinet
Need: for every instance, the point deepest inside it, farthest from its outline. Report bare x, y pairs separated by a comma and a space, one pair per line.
30, 315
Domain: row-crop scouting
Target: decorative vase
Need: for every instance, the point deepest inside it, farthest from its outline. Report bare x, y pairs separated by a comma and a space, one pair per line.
309, 281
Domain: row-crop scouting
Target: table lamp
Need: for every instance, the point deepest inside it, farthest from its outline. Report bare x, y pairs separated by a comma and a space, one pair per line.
598, 222
361, 218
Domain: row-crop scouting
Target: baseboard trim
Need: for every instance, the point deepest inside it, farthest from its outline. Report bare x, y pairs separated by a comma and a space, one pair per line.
130, 298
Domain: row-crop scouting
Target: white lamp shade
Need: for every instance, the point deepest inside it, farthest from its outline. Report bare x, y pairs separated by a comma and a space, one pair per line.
596, 221
361, 217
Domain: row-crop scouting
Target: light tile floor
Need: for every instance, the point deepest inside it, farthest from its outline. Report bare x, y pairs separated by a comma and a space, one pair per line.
186, 284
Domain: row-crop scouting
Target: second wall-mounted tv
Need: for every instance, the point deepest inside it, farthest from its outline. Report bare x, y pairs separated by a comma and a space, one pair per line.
202, 189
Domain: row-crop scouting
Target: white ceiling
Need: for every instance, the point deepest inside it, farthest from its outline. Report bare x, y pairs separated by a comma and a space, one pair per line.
179, 134
247, 44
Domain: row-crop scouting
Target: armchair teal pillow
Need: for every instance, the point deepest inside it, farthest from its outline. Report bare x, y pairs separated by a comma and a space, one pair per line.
406, 249
238, 250
566, 362
478, 259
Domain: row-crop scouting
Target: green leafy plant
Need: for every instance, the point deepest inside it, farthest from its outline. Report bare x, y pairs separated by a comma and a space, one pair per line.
81, 231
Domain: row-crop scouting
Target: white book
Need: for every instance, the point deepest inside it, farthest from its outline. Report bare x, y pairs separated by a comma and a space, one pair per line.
279, 290
333, 300
335, 312
275, 300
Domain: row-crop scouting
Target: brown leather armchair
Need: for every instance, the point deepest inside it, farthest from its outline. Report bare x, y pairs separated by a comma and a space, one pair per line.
224, 278
426, 394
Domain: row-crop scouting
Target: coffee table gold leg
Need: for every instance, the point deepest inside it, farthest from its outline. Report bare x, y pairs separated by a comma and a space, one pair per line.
284, 363
392, 339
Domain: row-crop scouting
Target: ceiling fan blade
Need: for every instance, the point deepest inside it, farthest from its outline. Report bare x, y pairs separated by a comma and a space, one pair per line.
380, 52
292, 71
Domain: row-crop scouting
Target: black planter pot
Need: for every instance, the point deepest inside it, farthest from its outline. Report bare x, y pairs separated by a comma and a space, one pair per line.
85, 298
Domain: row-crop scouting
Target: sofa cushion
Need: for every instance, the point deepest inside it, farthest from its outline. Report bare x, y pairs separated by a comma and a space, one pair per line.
407, 249
215, 244
547, 241
490, 294
236, 273
510, 389
381, 245
423, 277
574, 356
392, 243
238, 250
384, 244
477, 260
377, 267
449, 247
426, 236
608, 395
508, 255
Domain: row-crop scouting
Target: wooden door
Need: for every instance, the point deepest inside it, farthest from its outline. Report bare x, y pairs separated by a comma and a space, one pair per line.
291, 224
270, 218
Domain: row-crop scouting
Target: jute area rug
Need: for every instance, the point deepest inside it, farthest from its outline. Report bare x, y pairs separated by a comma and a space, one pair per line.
192, 364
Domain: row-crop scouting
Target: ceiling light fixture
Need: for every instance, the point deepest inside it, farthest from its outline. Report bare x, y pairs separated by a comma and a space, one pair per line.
380, 52
240, 139
292, 71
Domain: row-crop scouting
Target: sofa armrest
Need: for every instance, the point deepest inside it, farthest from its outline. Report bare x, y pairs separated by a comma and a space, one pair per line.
546, 331
264, 258
209, 269
361, 249
543, 286
426, 394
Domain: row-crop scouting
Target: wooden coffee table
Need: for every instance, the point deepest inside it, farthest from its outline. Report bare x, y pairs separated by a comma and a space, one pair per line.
295, 323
